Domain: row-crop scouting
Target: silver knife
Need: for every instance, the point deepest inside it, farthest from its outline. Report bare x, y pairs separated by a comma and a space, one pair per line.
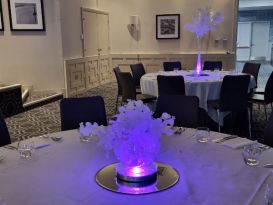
223, 139
268, 166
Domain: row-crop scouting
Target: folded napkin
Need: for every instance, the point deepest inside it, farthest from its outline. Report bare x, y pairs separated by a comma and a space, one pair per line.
237, 143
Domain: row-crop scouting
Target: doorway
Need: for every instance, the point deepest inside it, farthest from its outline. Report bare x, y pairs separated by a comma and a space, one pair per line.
96, 44
252, 41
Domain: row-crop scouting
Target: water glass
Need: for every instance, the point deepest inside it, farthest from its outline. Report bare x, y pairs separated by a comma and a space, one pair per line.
85, 138
26, 149
2, 201
202, 134
251, 154
268, 195
176, 69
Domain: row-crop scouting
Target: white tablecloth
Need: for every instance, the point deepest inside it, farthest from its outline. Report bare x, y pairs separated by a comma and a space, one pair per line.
64, 173
205, 87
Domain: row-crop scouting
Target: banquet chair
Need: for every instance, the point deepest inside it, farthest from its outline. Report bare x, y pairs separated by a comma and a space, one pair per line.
170, 85
137, 71
119, 94
212, 65
129, 89
4, 133
86, 109
185, 109
233, 96
171, 65
268, 132
263, 98
252, 69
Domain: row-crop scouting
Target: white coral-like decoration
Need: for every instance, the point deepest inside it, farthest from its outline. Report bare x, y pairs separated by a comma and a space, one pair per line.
204, 21
134, 135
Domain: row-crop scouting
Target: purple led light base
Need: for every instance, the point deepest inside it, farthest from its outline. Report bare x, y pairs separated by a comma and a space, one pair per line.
137, 190
136, 171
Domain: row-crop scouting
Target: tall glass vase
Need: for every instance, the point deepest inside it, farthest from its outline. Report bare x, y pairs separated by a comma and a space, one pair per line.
198, 67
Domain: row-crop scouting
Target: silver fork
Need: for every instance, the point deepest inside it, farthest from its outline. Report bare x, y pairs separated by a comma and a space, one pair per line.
264, 147
10, 147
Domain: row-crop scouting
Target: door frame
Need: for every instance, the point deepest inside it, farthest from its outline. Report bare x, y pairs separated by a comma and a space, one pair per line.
96, 11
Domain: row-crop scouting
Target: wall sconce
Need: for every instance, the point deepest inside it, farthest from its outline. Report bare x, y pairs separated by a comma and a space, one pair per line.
134, 22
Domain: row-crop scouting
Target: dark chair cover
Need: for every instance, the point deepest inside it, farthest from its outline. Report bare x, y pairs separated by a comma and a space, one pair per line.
4, 133
234, 93
266, 97
252, 69
170, 85
76, 110
268, 132
169, 66
129, 89
117, 71
137, 71
212, 65
184, 108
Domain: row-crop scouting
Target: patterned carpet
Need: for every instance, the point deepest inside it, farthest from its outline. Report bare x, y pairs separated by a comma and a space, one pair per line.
46, 119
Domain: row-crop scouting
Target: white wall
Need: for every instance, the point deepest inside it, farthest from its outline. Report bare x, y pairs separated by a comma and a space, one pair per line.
33, 58
71, 26
122, 42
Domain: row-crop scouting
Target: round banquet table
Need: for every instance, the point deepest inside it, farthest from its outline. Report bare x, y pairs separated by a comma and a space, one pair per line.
204, 87
64, 173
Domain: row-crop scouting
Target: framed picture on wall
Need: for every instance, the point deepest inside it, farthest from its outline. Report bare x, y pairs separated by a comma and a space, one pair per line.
1, 16
26, 15
168, 26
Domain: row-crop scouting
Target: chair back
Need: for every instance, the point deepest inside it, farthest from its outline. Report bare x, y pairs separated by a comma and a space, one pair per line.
76, 110
268, 92
117, 71
268, 132
128, 86
4, 133
252, 69
234, 93
137, 71
185, 109
170, 85
170, 66
212, 65
11, 100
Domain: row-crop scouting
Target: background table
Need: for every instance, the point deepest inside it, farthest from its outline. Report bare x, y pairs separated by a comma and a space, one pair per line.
204, 87
64, 173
